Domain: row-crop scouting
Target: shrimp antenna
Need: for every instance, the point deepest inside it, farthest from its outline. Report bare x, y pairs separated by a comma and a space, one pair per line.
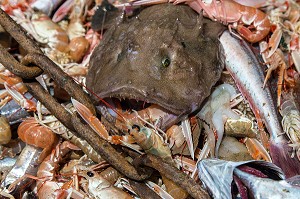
102, 100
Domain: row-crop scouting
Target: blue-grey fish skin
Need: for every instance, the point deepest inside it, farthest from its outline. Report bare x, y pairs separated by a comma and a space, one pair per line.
27, 163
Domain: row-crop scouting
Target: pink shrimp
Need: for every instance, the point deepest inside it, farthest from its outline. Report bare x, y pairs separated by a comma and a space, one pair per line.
46, 185
31, 132
251, 23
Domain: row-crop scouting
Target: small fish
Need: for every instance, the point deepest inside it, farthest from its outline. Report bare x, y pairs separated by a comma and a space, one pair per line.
26, 164
217, 175
6, 164
267, 188
14, 112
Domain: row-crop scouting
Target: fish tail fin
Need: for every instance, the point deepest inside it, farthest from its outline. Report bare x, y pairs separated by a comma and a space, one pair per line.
280, 152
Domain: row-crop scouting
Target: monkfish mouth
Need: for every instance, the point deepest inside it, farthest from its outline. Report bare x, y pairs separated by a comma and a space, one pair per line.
131, 98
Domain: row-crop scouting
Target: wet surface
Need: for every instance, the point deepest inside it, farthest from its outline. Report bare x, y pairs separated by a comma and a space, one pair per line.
166, 55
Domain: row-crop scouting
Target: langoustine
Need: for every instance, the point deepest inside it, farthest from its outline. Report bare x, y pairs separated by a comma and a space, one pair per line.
31, 132
98, 187
237, 15
46, 184
291, 121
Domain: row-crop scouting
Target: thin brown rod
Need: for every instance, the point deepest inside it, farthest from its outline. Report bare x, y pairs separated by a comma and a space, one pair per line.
9, 62
102, 147
51, 104
142, 190
65, 118
18, 33
172, 173
60, 77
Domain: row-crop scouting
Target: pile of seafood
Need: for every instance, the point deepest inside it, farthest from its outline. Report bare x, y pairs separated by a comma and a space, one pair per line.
149, 99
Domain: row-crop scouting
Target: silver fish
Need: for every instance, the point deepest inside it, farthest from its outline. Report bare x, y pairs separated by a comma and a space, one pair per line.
7, 163
5, 166
266, 188
27, 163
249, 77
217, 175
295, 181
13, 111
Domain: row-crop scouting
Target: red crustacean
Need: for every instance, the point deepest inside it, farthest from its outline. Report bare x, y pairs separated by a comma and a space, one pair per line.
251, 23
47, 185
33, 133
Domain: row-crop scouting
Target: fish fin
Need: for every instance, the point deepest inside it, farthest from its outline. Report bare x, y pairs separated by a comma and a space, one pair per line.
280, 152
105, 16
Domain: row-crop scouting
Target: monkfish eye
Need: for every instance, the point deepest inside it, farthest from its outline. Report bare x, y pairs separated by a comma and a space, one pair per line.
165, 62
90, 174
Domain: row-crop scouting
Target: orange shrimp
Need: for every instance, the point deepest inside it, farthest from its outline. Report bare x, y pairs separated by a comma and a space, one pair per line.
276, 60
12, 81
46, 185
31, 132
251, 23
98, 127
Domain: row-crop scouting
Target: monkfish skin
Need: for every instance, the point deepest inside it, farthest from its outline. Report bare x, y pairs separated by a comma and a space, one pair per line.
243, 66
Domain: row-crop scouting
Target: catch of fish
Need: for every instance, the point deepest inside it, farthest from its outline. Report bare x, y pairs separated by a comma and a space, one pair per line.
192, 83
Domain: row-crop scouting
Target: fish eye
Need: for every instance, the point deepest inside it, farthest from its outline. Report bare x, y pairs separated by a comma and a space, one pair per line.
166, 62
136, 127
90, 174
183, 44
